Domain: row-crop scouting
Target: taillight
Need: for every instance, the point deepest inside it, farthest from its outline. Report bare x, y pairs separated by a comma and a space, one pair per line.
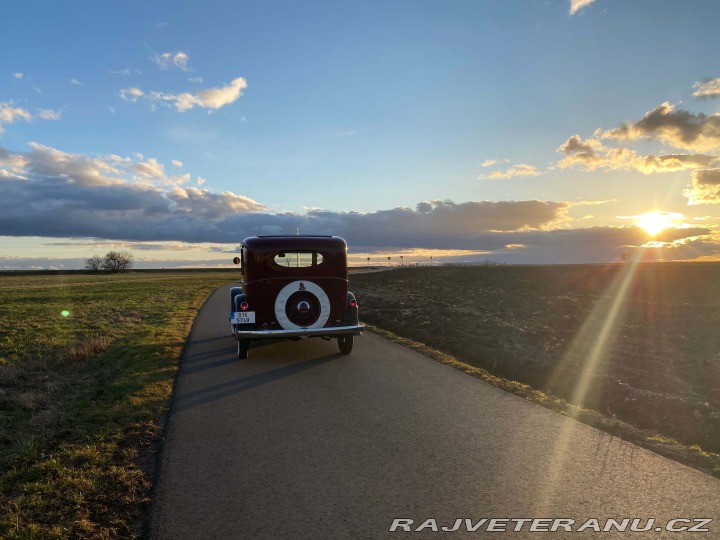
243, 306
353, 303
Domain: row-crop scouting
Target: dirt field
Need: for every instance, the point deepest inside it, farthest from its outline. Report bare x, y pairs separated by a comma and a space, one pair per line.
639, 343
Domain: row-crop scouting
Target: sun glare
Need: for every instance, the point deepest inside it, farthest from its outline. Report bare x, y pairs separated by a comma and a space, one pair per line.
655, 222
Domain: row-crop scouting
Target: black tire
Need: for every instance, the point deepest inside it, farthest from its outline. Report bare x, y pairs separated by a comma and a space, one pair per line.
346, 344
243, 347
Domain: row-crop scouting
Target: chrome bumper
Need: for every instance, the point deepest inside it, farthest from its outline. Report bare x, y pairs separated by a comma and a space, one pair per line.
355, 330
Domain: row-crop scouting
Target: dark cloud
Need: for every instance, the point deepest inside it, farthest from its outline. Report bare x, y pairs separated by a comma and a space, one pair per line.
704, 187
560, 246
47, 192
673, 126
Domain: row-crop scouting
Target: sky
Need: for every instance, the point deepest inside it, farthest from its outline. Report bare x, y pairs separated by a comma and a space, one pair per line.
519, 132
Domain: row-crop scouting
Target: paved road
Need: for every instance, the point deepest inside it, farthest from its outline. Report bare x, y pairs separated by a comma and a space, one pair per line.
300, 442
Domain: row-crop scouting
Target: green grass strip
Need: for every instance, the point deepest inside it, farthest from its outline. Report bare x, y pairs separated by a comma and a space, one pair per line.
87, 364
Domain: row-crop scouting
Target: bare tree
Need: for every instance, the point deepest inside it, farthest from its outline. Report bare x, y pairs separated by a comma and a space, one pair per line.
94, 263
117, 261
627, 255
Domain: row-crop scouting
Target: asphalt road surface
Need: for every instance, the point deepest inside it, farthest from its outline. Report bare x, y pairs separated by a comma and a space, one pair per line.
301, 442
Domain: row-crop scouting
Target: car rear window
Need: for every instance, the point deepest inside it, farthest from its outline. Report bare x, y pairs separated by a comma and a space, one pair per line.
298, 259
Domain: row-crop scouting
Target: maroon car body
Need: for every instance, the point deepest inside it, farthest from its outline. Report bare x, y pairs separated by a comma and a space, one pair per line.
293, 287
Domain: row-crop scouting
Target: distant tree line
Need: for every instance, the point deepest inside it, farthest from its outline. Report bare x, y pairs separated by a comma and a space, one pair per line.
114, 261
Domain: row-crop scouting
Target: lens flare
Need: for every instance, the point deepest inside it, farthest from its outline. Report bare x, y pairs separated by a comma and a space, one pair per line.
65, 313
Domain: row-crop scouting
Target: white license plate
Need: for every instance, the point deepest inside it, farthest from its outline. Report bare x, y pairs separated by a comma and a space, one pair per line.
242, 317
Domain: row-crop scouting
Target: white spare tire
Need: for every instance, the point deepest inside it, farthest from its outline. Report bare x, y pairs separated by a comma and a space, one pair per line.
302, 304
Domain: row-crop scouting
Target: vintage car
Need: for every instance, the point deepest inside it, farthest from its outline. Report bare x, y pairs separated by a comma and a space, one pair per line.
294, 287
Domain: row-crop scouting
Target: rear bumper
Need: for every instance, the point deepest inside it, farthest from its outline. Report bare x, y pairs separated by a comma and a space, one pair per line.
354, 330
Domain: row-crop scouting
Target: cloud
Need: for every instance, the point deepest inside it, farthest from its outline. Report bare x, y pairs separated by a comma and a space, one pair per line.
122, 72
167, 60
18, 75
10, 114
591, 154
197, 80
707, 89
177, 163
210, 98
49, 114
150, 169
75, 82
672, 126
704, 187
489, 162
131, 94
73, 169
577, 5
52, 193
521, 169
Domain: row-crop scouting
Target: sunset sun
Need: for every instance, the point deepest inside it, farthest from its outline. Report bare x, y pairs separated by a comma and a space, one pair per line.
656, 222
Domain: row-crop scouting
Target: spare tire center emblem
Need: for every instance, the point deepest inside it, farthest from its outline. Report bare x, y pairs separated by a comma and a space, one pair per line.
302, 286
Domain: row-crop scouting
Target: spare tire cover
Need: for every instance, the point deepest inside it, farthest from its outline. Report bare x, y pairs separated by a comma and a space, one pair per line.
310, 295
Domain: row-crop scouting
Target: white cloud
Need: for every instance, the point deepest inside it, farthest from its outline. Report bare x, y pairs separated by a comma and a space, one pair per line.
210, 98
707, 89
18, 75
177, 163
131, 94
75, 81
577, 5
591, 154
124, 72
111, 109
489, 162
49, 114
197, 80
521, 169
10, 114
150, 169
167, 60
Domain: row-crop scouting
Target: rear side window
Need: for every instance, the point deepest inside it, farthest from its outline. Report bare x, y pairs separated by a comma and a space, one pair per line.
298, 259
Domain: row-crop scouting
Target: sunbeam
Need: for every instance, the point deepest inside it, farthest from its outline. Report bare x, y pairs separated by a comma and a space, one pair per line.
592, 347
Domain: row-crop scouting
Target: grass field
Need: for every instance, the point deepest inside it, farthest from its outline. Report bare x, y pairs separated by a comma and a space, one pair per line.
637, 343
87, 364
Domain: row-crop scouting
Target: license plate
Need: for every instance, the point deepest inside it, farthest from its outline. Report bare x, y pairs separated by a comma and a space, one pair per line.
242, 317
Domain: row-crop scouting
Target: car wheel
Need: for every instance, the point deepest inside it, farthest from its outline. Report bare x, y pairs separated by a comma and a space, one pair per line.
243, 348
346, 344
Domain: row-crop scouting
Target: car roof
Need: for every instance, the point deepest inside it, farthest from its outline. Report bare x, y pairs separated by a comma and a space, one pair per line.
300, 242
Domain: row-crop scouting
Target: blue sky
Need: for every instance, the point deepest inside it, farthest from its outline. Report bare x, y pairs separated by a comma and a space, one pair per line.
174, 130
